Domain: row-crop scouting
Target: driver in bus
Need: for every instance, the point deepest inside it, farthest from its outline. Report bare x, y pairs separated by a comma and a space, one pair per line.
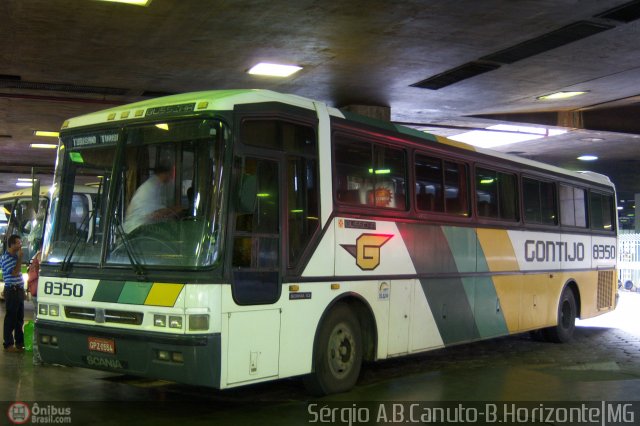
149, 203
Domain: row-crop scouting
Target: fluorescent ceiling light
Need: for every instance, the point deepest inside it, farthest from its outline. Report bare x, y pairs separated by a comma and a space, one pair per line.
43, 145
134, 2
504, 134
46, 133
25, 180
380, 171
24, 184
588, 158
559, 95
274, 70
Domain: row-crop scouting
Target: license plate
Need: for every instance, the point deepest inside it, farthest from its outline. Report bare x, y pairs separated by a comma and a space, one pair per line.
98, 344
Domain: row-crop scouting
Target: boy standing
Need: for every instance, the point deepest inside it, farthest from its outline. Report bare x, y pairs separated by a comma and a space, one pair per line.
11, 262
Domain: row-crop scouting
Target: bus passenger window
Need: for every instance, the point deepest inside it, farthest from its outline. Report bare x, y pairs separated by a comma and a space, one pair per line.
429, 184
572, 206
496, 194
370, 174
601, 212
441, 186
353, 161
455, 193
302, 204
539, 200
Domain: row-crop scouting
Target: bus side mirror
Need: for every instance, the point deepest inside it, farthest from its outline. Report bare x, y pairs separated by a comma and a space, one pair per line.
35, 194
247, 194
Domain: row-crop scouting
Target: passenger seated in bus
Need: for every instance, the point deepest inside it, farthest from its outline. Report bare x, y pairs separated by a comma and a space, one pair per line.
149, 203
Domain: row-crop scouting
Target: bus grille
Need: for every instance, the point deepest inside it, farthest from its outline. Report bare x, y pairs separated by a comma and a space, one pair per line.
605, 289
109, 315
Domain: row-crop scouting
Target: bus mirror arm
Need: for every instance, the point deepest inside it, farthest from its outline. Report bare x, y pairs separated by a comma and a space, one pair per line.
35, 191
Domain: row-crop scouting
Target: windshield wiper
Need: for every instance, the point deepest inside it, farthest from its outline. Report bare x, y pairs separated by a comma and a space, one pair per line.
66, 261
135, 264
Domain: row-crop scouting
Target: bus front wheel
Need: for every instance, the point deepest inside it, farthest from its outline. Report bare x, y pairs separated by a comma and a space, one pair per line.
337, 354
567, 312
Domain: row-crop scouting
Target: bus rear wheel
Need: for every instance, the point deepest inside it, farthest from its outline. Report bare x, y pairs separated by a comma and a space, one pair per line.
337, 354
567, 312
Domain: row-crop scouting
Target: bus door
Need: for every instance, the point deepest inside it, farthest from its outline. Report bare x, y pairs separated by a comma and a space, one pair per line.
276, 206
254, 334
256, 236
274, 220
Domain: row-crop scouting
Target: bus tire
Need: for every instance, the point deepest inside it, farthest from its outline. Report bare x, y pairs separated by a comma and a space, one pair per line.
337, 353
567, 312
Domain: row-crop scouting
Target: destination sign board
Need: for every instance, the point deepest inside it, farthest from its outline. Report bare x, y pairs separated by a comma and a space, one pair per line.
95, 139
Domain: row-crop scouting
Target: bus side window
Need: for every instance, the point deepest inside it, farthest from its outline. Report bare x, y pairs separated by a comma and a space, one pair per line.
496, 194
601, 212
353, 161
539, 201
572, 206
370, 174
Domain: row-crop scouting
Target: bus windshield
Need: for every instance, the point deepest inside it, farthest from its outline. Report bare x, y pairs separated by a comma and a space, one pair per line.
157, 201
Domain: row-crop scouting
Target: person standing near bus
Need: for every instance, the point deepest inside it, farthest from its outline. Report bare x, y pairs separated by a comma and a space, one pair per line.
13, 295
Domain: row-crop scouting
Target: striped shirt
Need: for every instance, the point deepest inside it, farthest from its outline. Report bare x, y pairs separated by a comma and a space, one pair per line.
8, 264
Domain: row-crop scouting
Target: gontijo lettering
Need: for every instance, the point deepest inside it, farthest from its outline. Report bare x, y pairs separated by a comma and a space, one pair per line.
552, 251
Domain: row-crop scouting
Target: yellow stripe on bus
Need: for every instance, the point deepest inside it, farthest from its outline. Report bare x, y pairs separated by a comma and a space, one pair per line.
456, 144
508, 291
163, 294
498, 250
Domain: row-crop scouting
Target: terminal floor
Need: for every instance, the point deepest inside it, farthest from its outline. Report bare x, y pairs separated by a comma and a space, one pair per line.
602, 363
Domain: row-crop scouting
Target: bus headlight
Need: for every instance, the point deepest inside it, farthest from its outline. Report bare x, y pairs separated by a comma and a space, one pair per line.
175, 322
54, 310
43, 309
159, 321
199, 322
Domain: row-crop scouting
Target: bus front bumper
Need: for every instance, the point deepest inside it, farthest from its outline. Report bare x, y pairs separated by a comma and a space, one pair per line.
191, 359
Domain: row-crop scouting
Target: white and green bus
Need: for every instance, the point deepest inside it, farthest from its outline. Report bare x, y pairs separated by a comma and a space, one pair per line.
304, 240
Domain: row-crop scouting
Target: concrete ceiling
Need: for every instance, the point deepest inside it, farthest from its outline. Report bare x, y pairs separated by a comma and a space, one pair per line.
63, 58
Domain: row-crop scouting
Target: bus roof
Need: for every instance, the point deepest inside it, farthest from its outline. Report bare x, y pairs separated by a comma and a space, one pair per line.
212, 100
225, 100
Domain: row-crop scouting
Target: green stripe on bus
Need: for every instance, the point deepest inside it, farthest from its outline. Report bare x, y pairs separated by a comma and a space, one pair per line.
481, 259
463, 244
428, 248
108, 291
488, 315
417, 133
449, 303
134, 293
